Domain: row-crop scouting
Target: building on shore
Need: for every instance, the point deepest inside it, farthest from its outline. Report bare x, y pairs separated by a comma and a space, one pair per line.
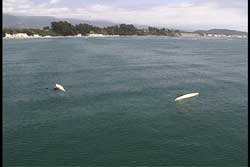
95, 35
79, 35
8, 35
227, 36
36, 36
190, 34
102, 35
17, 35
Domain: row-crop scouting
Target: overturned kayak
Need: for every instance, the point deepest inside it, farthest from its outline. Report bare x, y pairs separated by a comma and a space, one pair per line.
59, 87
186, 96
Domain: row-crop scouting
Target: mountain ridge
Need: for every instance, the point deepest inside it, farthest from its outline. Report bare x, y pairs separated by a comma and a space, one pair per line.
12, 21
221, 31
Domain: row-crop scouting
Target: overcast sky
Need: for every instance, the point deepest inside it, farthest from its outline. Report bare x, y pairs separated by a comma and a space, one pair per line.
182, 14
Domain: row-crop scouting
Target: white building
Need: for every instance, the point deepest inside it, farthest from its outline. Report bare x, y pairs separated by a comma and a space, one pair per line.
20, 35
36, 36
8, 35
95, 35
189, 34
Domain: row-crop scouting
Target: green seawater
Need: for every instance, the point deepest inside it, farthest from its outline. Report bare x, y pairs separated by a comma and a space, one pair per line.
119, 108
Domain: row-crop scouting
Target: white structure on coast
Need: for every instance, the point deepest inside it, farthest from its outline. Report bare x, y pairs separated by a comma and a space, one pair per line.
190, 34
25, 36
21, 36
102, 35
228, 36
79, 35
18, 35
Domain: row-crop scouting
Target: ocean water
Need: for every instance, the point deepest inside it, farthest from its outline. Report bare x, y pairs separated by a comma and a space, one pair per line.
119, 108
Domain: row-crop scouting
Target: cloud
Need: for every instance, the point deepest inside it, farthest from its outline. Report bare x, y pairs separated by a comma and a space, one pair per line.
183, 14
9, 6
28, 7
54, 1
99, 8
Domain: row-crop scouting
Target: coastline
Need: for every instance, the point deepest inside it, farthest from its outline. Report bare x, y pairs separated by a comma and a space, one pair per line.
36, 36
121, 36
50, 37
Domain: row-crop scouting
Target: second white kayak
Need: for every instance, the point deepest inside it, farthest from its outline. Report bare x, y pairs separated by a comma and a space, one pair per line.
186, 96
60, 87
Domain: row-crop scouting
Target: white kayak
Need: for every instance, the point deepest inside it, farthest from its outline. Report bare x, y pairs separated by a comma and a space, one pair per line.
186, 96
60, 87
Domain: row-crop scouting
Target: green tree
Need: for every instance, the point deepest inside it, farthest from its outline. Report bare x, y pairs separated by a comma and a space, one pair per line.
86, 29
63, 28
127, 29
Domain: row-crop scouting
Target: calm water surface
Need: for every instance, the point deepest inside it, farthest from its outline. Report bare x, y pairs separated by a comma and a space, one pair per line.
119, 108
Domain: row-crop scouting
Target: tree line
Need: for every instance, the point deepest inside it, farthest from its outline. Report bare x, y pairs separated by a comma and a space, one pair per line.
64, 28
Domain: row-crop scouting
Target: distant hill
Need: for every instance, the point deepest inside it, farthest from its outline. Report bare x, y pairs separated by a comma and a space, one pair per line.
221, 31
11, 21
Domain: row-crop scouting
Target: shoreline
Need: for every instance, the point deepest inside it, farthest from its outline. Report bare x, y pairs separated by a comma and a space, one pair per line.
120, 36
36, 36
54, 37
